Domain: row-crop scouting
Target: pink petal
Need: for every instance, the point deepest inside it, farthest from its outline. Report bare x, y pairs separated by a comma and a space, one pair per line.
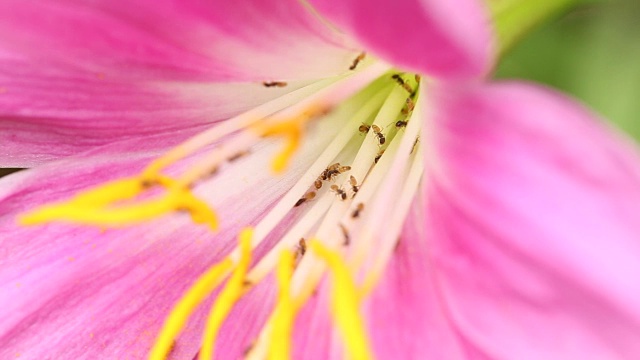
47, 113
178, 40
406, 316
71, 292
314, 334
75, 74
449, 39
533, 218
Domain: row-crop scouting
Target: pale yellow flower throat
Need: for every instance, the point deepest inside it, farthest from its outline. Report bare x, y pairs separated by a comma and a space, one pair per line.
342, 206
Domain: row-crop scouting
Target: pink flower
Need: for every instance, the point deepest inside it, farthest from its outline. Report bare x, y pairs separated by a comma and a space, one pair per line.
522, 243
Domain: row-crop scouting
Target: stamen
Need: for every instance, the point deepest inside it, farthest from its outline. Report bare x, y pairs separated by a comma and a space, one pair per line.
93, 207
291, 238
228, 297
345, 303
305, 280
281, 160
277, 213
360, 169
386, 194
185, 307
310, 269
285, 312
109, 193
292, 129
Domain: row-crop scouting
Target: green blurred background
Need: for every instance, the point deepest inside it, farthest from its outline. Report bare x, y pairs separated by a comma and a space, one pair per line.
592, 52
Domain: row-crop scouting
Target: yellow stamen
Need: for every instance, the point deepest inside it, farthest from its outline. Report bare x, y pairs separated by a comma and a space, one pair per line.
281, 160
118, 216
109, 193
118, 190
292, 129
92, 207
185, 307
285, 312
345, 303
200, 212
228, 297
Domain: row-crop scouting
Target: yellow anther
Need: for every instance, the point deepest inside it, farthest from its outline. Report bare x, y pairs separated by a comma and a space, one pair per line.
345, 303
281, 161
228, 297
109, 193
185, 307
95, 207
200, 212
118, 190
292, 129
285, 311
71, 212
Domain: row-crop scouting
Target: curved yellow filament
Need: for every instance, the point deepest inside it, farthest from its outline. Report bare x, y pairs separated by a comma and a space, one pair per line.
282, 159
285, 311
95, 207
292, 129
185, 307
109, 193
228, 297
345, 303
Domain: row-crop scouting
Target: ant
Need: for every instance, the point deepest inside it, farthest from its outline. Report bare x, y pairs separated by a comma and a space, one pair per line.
306, 197
341, 193
378, 133
364, 128
354, 185
357, 61
402, 83
401, 123
274, 84
378, 156
356, 212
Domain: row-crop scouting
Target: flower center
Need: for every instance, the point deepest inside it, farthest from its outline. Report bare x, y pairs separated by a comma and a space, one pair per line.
352, 202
